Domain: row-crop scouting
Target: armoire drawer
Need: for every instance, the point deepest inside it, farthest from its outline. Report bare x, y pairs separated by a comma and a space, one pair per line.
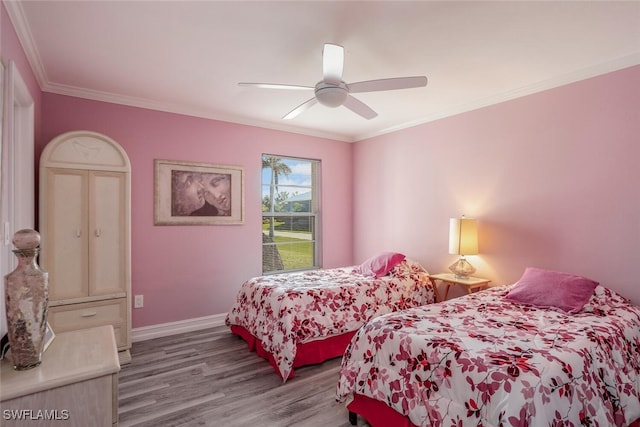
86, 315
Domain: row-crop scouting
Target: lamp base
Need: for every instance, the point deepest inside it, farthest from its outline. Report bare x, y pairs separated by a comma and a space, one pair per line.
462, 268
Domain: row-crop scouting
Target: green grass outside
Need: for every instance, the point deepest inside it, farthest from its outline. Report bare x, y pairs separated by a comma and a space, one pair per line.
295, 255
279, 227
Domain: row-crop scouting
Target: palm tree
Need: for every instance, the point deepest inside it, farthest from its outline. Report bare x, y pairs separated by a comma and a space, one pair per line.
278, 167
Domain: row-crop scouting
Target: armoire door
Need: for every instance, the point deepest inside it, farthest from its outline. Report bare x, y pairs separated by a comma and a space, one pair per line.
107, 233
66, 246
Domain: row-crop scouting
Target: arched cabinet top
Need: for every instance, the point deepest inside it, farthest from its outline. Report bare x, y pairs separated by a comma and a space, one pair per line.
85, 150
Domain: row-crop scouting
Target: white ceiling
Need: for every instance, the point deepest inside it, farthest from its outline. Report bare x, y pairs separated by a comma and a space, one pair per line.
188, 56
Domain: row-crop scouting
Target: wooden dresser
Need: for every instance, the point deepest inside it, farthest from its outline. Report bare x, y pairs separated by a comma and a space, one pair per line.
75, 385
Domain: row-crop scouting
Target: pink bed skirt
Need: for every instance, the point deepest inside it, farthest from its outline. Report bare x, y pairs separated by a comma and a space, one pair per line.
379, 414
309, 353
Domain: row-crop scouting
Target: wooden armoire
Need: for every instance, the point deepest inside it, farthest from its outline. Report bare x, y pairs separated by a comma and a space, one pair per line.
85, 224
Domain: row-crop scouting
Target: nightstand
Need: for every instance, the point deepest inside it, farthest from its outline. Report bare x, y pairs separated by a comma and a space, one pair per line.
470, 283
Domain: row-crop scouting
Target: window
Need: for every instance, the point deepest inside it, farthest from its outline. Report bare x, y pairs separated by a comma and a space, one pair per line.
290, 219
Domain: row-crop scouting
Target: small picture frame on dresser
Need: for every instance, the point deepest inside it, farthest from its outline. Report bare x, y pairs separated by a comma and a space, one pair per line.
49, 335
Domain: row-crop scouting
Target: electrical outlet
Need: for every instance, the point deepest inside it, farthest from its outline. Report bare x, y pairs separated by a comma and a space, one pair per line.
138, 301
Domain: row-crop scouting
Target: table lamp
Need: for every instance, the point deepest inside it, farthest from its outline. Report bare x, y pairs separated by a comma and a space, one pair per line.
463, 240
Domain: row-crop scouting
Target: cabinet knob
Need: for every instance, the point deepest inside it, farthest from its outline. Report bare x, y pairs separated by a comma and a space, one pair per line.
78, 232
97, 232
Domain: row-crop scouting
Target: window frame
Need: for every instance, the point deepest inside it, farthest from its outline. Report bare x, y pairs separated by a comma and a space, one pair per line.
313, 214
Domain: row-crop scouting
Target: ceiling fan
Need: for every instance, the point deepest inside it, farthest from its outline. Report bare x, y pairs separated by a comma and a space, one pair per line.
333, 92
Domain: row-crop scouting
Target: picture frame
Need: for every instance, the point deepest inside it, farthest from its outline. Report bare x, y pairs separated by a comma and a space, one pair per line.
49, 335
193, 193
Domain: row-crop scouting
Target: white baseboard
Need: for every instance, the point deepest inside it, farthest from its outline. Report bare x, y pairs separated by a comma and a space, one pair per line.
166, 329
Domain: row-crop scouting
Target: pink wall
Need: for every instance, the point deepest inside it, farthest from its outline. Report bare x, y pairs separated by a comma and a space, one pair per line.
552, 178
187, 272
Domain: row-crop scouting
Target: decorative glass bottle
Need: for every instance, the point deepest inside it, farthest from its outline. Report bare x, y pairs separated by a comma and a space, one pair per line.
27, 300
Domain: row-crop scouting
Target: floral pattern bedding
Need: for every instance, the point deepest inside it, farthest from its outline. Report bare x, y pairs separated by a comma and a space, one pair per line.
480, 360
283, 310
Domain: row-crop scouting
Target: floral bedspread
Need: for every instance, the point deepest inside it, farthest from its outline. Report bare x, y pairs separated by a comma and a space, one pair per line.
480, 360
284, 310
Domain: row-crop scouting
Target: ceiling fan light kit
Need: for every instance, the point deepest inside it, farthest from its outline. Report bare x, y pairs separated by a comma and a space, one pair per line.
333, 92
331, 95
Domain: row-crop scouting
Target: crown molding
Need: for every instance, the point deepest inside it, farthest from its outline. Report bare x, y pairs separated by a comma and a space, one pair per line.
182, 110
17, 18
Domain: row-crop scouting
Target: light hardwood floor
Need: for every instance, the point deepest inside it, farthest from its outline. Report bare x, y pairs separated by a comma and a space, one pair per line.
210, 378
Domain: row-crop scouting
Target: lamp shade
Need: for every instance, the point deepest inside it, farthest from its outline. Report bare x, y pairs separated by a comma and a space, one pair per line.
463, 236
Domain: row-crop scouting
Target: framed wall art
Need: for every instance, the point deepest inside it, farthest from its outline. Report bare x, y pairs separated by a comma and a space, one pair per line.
189, 193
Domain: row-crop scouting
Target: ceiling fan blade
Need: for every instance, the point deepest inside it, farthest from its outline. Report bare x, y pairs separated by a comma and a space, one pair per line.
275, 86
359, 107
387, 84
300, 109
332, 62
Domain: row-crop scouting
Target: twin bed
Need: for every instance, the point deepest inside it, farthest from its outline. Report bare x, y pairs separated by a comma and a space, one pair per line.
553, 349
304, 318
499, 357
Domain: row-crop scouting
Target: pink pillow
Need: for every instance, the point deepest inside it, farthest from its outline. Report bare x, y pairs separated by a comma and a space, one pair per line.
546, 288
381, 264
